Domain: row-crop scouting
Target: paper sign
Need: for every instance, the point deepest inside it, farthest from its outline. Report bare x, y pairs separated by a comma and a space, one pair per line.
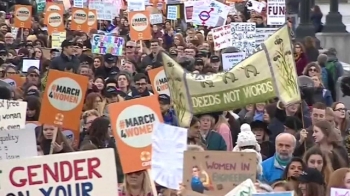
63, 99
256, 5
104, 10
23, 16
92, 20
243, 36
223, 11
78, 3
159, 81
172, 12
222, 37
276, 12
339, 192
139, 25
168, 145
216, 172
133, 130
40, 5
262, 34
188, 10
79, 173
12, 114
13, 143
136, 5
79, 20
102, 44
27, 63
156, 18
204, 15
229, 60
287, 193
57, 39
54, 21
14, 31
193, 94
245, 188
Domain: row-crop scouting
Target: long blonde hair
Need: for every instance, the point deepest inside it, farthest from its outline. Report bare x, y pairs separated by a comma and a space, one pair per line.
145, 185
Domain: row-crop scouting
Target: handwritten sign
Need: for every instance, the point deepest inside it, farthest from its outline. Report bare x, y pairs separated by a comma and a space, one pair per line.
13, 142
276, 12
262, 34
57, 39
222, 37
12, 114
229, 60
340, 192
156, 18
136, 5
102, 44
216, 173
243, 36
79, 173
172, 12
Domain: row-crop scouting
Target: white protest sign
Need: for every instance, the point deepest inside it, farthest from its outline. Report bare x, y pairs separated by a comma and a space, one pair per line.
223, 11
230, 60
17, 144
27, 63
262, 34
172, 12
168, 145
156, 18
14, 31
136, 5
12, 114
78, 3
222, 37
339, 192
104, 10
276, 12
247, 188
78, 173
205, 15
243, 36
256, 5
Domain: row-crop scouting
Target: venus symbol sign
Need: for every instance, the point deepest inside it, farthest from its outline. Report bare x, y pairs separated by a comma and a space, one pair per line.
205, 15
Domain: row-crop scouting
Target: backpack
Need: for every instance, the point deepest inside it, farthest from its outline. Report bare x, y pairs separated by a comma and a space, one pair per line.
325, 77
332, 71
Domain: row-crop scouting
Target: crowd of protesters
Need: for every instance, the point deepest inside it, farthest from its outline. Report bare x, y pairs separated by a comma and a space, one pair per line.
302, 146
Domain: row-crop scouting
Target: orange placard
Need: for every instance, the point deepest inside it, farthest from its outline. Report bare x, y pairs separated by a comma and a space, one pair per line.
71, 135
140, 26
63, 99
14, 80
23, 16
79, 19
159, 81
92, 20
54, 22
52, 6
132, 123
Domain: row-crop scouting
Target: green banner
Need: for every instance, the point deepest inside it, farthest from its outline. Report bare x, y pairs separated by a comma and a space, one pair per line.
264, 75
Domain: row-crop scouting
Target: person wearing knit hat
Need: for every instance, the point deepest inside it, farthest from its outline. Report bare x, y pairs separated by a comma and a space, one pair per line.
246, 139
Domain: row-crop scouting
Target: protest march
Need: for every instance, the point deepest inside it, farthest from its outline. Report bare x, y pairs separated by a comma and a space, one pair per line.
170, 98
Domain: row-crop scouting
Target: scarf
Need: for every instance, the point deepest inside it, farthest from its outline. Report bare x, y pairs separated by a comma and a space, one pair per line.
281, 162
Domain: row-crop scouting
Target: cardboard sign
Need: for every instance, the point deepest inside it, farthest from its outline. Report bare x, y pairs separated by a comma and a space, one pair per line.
92, 20
23, 16
79, 19
54, 22
12, 114
14, 80
140, 26
133, 130
78, 173
217, 172
63, 99
102, 44
159, 81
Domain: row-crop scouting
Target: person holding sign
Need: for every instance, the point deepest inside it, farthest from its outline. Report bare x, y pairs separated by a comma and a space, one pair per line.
49, 133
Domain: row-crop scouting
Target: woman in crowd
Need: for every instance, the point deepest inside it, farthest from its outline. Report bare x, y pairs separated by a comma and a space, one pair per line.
136, 183
92, 101
311, 183
293, 171
315, 158
340, 178
327, 140
300, 57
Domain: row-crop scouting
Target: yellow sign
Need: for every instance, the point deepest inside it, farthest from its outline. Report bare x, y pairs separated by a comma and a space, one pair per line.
266, 74
57, 39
